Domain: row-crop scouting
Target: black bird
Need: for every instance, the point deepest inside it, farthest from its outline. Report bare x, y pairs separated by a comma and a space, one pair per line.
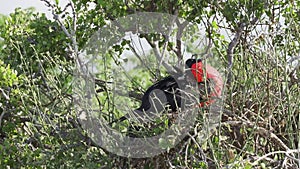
163, 95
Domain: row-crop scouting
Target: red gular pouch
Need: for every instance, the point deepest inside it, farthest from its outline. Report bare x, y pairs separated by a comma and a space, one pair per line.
209, 80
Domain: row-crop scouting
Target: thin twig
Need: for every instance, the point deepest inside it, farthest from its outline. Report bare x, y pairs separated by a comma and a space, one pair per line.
276, 152
260, 130
1, 117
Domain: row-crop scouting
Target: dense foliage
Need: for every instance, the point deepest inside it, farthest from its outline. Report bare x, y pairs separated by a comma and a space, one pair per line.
257, 41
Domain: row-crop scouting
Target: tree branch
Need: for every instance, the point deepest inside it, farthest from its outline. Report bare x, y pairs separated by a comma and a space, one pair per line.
230, 51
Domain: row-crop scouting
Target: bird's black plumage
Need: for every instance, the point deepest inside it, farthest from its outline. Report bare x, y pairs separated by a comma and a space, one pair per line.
167, 87
163, 94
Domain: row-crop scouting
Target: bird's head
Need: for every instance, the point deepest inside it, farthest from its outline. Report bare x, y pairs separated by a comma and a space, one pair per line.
196, 67
204, 73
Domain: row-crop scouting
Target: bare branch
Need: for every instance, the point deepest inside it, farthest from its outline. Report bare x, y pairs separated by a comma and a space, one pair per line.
230, 50
260, 130
167, 39
233, 44
181, 27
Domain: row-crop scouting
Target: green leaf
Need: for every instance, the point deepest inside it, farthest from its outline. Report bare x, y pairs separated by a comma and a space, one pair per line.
214, 25
165, 144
